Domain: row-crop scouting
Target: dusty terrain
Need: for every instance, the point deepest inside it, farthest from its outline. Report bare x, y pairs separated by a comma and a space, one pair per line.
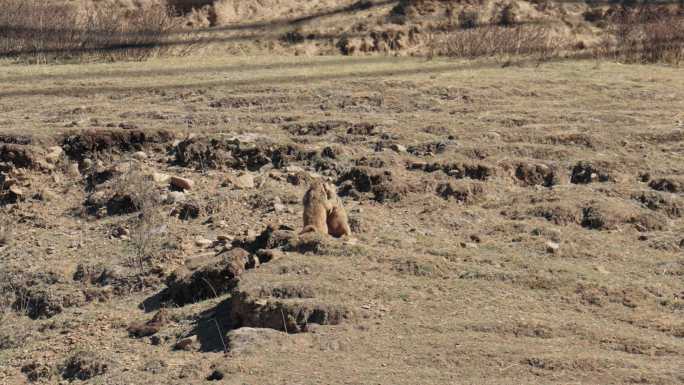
514, 225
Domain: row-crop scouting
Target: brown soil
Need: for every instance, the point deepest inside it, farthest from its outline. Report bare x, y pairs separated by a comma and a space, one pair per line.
530, 232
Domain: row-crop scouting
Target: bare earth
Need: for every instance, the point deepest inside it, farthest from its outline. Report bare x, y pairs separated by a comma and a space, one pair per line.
518, 225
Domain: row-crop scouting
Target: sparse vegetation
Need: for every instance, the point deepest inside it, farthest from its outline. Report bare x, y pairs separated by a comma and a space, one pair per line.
496, 41
645, 34
510, 224
42, 32
149, 227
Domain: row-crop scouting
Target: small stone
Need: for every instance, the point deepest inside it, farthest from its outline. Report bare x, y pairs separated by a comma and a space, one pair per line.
161, 178
224, 238
121, 233
175, 197
16, 191
181, 183
244, 181
54, 154
398, 148
469, 245
552, 247
268, 255
279, 207
139, 155
293, 169
203, 242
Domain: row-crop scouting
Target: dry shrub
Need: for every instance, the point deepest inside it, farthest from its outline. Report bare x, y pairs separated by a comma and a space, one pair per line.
43, 32
646, 34
5, 233
491, 41
148, 228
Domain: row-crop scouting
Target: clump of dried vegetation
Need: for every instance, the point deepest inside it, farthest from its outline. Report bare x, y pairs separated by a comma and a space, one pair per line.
148, 227
648, 33
41, 32
634, 33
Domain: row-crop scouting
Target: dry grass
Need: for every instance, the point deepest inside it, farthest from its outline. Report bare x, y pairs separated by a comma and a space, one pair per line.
442, 291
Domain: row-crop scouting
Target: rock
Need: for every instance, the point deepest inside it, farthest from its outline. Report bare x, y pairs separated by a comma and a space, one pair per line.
181, 183
175, 197
244, 181
224, 238
203, 242
293, 169
161, 178
16, 193
469, 245
246, 339
552, 247
139, 155
54, 154
268, 255
398, 148
279, 207
186, 344
140, 330
121, 233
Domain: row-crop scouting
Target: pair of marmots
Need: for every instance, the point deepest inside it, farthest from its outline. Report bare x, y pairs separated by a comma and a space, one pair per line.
323, 211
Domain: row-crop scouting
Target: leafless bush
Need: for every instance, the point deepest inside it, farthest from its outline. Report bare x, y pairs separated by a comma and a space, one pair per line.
491, 41
43, 32
647, 34
6, 235
148, 227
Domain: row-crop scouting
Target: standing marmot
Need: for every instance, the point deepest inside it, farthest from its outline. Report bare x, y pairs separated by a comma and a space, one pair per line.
323, 211
316, 208
338, 223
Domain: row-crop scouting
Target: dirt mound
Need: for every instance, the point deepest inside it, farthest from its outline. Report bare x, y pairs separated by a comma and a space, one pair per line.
84, 365
291, 316
587, 172
673, 184
611, 214
456, 170
19, 156
206, 277
378, 185
205, 152
466, 192
91, 143
533, 174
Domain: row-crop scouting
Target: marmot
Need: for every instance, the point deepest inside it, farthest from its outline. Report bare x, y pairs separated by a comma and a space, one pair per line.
316, 208
337, 221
